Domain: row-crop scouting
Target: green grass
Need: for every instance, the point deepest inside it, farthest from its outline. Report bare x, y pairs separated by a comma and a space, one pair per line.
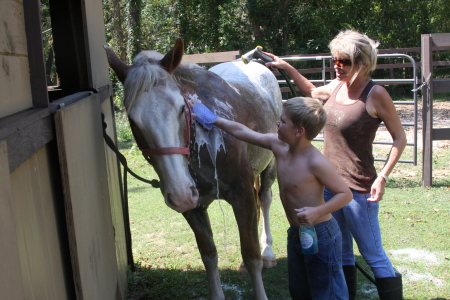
414, 223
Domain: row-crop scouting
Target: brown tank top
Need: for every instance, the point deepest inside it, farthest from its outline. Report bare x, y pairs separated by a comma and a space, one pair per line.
348, 136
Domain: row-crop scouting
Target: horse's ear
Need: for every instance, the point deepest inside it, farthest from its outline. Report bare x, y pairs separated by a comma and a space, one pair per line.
119, 67
173, 58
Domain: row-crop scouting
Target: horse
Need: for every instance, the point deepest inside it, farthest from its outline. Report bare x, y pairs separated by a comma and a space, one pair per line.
195, 166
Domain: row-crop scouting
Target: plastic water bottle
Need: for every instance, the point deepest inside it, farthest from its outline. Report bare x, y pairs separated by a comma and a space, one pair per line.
308, 239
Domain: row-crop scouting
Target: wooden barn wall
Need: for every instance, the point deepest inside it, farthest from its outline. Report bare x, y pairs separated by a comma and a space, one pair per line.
14, 69
95, 35
11, 274
37, 261
116, 200
98, 73
87, 202
38, 211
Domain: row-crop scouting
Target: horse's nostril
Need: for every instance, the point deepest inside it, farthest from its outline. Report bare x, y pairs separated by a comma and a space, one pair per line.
194, 192
169, 199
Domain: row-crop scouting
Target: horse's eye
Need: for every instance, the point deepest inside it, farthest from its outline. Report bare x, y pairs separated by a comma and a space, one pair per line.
183, 107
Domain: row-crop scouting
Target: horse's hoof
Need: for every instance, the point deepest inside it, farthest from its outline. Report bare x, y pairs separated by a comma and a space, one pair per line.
269, 262
242, 268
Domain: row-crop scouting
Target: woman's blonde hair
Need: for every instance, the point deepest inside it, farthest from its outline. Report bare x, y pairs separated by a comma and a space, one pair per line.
359, 48
306, 112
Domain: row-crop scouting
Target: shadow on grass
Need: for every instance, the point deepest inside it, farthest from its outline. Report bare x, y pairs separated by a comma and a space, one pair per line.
173, 284
408, 183
403, 183
138, 188
148, 283
364, 283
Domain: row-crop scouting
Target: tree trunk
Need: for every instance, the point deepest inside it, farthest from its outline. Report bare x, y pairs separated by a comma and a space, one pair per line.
135, 27
120, 38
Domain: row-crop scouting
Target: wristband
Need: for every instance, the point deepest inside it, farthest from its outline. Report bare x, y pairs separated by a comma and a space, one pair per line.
386, 178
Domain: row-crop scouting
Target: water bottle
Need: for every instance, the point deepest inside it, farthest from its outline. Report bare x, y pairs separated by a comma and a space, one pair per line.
308, 239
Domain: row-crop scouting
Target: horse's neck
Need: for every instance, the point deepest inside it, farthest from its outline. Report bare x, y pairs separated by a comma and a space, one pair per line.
187, 80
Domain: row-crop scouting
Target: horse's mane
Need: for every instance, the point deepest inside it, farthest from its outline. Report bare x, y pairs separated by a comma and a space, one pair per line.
143, 76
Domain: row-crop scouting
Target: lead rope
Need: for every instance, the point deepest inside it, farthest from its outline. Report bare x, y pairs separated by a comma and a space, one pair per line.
126, 217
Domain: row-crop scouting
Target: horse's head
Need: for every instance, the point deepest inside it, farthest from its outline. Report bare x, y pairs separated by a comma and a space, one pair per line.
159, 118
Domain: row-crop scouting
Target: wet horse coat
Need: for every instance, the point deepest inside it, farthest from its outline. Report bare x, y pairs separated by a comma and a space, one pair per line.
158, 90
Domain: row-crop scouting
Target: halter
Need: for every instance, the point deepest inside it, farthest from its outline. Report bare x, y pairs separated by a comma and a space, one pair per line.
147, 152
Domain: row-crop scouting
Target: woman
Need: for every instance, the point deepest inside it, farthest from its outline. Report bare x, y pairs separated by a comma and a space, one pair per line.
355, 107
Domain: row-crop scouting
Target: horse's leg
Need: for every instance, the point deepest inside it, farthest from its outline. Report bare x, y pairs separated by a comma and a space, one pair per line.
268, 177
244, 207
198, 219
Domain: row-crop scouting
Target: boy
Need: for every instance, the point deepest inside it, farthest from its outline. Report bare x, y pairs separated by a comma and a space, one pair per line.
302, 174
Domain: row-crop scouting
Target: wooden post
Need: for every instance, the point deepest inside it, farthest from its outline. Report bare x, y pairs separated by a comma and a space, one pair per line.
427, 109
35, 54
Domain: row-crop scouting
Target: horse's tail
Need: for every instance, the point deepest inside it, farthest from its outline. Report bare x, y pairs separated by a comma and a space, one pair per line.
257, 188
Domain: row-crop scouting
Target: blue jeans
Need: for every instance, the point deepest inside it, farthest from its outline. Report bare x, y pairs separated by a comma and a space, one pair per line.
318, 276
359, 220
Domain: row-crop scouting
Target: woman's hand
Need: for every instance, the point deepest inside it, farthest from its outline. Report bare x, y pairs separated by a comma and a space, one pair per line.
277, 62
377, 190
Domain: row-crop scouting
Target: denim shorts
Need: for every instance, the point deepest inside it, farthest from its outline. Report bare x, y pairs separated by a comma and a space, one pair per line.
359, 220
317, 276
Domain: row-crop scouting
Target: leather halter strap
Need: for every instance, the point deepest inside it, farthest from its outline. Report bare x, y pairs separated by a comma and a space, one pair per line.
170, 150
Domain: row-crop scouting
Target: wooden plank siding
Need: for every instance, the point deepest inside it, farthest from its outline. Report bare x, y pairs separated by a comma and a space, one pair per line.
14, 70
115, 197
86, 194
10, 273
37, 203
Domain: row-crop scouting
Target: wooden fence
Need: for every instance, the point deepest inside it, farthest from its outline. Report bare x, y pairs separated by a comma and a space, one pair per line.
430, 44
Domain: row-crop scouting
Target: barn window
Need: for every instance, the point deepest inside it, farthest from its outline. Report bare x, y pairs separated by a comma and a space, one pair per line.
64, 47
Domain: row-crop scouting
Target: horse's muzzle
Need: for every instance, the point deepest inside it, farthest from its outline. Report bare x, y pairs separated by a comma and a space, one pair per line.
182, 202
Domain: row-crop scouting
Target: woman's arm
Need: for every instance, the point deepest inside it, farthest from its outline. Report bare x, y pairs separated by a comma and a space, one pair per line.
384, 109
300, 81
307, 88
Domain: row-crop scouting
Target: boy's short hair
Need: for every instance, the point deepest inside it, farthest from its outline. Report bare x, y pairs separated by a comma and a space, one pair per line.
308, 113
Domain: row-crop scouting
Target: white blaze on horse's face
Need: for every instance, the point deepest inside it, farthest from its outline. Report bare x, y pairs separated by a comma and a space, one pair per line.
158, 112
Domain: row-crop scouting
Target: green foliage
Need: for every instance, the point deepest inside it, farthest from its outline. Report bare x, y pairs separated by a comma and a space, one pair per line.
124, 133
283, 27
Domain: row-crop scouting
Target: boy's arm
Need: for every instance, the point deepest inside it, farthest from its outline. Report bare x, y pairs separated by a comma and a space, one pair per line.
245, 134
326, 174
207, 118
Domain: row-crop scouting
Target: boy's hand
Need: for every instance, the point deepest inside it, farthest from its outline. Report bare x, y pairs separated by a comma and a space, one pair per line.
203, 115
306, 215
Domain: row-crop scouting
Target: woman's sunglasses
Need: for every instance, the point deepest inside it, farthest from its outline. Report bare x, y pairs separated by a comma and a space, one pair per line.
341, 62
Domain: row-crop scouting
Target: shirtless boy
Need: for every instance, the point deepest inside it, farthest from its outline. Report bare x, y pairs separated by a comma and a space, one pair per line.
302, 174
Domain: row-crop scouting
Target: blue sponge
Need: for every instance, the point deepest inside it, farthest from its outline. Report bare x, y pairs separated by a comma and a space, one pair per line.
204, 116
